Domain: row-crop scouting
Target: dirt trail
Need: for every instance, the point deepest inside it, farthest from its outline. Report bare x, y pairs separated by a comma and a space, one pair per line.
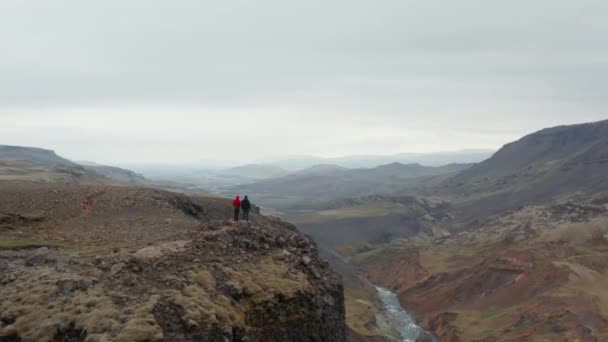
87, 204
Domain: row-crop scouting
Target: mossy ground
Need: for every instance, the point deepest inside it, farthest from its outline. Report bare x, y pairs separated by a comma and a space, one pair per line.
360, 311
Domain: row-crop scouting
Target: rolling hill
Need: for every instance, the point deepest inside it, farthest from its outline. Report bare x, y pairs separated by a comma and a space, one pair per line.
32, 156
553, 162
19, 163
327, 182
295, 163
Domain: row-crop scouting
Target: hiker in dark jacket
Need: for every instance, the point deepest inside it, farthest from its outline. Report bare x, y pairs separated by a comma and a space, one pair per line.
246, 206
237, 207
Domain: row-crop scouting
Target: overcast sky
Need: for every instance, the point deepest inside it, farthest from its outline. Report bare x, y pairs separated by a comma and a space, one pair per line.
119, 81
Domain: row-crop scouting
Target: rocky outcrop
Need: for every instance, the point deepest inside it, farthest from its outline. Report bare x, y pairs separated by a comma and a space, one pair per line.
229, 283
215, 281
441, 325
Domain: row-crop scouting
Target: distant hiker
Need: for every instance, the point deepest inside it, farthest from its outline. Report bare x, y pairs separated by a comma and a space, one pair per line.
246, 206
237, 207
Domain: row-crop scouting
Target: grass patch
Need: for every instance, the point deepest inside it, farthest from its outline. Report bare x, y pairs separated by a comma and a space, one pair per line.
368, 210
266, 278
448, 259
8, 243
142, 326
385, 254
360, 311
354, 248
14, 242
594, 287
547, 338
204, 279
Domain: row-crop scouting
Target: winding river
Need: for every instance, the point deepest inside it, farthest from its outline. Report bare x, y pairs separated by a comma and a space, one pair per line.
400, 320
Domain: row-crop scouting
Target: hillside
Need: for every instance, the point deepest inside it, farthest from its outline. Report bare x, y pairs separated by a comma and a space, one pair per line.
119, 175
427, 159
32, 156
552, 162
375, 219
104, 263
538, 273
19, 163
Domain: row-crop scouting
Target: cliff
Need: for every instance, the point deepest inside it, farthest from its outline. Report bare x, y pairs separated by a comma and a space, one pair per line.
133, 264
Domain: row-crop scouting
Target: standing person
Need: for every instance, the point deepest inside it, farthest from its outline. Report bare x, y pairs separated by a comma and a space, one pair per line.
246, 206
237, 207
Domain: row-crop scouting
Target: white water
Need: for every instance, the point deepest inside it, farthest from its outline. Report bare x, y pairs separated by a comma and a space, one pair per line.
399, 319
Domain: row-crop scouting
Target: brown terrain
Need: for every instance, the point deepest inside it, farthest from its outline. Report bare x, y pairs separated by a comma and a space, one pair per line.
539, 273
107, 263
512, 249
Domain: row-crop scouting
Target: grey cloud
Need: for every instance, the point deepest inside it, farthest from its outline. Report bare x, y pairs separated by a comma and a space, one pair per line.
69, 50
415, 64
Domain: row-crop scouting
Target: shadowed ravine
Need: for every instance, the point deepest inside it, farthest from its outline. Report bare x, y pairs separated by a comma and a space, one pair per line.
400, 320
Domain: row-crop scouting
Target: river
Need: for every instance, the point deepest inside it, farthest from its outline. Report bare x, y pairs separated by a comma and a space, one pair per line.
400, 320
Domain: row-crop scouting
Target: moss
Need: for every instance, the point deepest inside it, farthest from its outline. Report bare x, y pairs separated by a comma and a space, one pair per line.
37, 310
204, 279
99, 314
142, 326
141, 329
17, 243
360, 311
92, 311
547, 338
202, 305
267, 278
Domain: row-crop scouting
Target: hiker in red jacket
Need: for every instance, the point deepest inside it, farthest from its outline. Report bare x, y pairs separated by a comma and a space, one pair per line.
237, 207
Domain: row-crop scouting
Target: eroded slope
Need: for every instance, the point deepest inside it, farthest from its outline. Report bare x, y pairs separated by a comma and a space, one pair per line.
538, 272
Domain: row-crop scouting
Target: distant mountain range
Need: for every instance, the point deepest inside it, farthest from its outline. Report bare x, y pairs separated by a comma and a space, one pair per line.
370, 161
326, 182
212, 176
